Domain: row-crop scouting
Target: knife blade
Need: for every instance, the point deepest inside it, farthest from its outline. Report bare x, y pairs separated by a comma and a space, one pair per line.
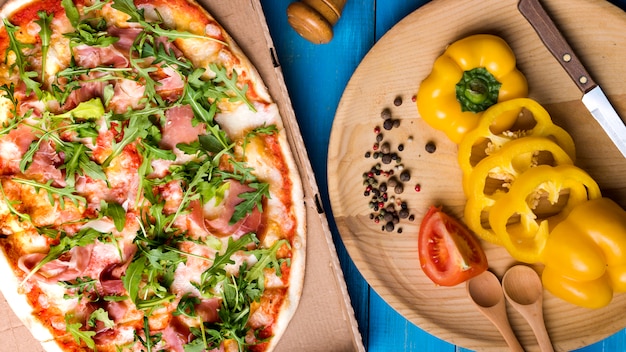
593, 97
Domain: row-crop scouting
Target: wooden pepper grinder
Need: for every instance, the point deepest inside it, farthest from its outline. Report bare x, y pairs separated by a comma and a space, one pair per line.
314, 19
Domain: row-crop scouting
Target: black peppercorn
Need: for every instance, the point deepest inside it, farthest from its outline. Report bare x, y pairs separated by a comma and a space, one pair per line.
405, 176
430, 147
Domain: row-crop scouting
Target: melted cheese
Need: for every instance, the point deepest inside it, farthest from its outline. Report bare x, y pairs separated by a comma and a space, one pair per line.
241, 119
5, 110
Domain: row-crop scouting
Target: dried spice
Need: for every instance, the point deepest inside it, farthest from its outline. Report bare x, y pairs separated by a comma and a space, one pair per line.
381, 185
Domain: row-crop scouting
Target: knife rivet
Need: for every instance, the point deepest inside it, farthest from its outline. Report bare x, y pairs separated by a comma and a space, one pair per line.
582, 79
567, 57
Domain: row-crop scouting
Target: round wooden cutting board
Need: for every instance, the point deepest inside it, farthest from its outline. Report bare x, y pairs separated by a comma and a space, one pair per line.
394, 68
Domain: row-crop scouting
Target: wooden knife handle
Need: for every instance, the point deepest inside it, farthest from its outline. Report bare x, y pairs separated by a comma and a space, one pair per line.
556, 43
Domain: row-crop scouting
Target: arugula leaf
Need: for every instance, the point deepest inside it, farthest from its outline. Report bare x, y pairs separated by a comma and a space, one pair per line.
251, 200
10, 203
150, 340
16, 47
92, 32
97, 5
187, 306
210, 277
267, 130
137, 15
62, 193
129, 8
266, 258
116, 212
100, 315
71, 12
80, 286
137, 128
169, 58
197, 345
132, 277
79, 335
84, 237
45, 34
231, 83
77, 162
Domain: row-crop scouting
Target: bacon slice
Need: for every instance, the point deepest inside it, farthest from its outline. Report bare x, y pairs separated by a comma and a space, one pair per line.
62, 269
95, 56
178, 127
44, 166
217, 218
127, 93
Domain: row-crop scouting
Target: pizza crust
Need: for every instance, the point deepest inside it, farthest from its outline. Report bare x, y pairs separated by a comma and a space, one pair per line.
10, 289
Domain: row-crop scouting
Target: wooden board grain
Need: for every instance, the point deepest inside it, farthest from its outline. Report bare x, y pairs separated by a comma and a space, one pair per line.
394, 67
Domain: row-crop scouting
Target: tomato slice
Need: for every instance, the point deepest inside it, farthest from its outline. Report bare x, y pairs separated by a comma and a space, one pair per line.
449, 253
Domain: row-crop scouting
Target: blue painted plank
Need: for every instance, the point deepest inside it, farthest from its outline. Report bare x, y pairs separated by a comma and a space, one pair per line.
389, 13
316, 76
390, 331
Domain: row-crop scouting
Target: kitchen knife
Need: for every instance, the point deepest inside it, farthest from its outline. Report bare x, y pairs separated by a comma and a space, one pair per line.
593, 97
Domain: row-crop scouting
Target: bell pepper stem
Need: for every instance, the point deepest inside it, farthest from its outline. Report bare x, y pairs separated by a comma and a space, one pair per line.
477, 90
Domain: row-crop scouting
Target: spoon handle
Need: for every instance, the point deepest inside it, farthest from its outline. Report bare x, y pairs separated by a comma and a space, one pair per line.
510, 338
539, 328
497, 315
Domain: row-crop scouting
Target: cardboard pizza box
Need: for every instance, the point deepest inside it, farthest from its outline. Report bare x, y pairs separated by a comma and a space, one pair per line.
324, 320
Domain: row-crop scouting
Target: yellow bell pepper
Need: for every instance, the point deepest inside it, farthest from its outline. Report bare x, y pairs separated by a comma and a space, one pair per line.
525, 238
485, 140
585, 255
504, 166
472, 74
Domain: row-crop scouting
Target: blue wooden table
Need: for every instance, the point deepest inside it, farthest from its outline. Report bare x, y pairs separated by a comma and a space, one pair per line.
316, 76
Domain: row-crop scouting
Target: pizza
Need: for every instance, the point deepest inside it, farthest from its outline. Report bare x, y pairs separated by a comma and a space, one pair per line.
149, 199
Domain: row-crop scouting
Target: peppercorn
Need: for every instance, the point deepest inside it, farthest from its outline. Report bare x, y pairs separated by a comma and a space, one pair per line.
397, 101
388, 124
389, 226
430, 147
405, 176
385, 114
398, 188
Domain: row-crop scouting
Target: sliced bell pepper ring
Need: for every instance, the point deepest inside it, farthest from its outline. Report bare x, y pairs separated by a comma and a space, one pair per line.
526, 238
472, 74
506, 166
585, 255
485, 137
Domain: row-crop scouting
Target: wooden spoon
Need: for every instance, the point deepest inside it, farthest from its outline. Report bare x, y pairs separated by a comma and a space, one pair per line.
522, 287
486, 293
